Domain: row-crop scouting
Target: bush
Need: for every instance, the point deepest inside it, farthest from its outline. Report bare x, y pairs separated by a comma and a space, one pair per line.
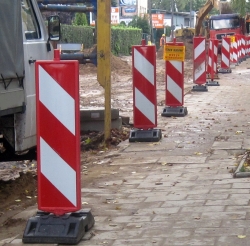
122, 38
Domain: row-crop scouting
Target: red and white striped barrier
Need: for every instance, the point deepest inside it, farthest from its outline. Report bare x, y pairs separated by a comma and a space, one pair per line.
174, 54
58, 136
239, 47
199, 63
225, 55
243, 47
212, 61
248, 46
144, 93
58, 156
175, 83
234, 50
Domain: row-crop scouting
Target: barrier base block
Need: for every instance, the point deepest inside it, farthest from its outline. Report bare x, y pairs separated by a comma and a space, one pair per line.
150, 135
216, 76
174, 111
66, 229
212, 83
224, 70
200, 88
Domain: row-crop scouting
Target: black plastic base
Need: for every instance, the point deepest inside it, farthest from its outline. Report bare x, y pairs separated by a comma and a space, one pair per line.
66, 229
212, 83
150, 135
200, 88
174, 111
224, 70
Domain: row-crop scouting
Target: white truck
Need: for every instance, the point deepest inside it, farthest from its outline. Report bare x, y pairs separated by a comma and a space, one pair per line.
23, 40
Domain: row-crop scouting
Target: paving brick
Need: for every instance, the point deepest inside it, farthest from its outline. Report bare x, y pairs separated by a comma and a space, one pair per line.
177, 216
227, 145
155, 211
203, 209
233, 231
230, 191
154, 241
228, 202
207, 197
195, 240
182, 159
224, 215
183, 203
232, 240
197, 223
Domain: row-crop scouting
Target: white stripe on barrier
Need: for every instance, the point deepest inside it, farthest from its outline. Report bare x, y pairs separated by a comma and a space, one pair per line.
177, 65
144, 106
226, 45
144, 66
199, 49
225, 59
57, 102
200, 70
51, 165
174, 89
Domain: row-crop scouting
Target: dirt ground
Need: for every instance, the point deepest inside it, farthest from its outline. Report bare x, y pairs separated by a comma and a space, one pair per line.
18, 180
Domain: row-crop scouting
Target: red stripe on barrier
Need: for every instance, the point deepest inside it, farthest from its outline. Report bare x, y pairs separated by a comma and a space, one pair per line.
52, 200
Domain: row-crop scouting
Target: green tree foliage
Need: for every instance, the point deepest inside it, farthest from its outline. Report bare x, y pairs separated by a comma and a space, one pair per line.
114, 3
240, 6
181, 5
142, 23
80, 19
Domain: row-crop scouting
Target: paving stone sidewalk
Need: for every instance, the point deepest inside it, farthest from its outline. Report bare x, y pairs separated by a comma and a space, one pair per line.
179, 191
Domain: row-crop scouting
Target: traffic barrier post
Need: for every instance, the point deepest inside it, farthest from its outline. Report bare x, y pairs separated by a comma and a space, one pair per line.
239, 48
225, 55
243, 47
174, 55
212, 62
234, 50
199, 64
144, 94
58, 156
247, 46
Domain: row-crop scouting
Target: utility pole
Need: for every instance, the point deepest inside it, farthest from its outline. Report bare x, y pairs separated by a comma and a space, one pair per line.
190, 19
150, 19
172, 19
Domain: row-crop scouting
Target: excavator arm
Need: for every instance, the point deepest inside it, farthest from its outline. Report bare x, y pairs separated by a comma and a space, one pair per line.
208, 6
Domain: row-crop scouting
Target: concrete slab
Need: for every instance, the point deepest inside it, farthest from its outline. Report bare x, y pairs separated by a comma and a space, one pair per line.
183, 159
227, 145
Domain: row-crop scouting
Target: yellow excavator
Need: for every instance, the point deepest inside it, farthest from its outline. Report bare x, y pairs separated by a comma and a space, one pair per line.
202, 14
185, 32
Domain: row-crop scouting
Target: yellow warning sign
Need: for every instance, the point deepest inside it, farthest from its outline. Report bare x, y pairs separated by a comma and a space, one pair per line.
232, 39
174, 52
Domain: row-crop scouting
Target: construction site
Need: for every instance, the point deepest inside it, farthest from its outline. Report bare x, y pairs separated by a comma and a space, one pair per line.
171, 169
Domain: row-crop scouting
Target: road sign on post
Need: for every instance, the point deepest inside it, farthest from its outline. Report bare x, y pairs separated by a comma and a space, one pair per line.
104, 58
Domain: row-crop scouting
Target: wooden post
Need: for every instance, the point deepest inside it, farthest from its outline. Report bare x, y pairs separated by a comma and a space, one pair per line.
104, 58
